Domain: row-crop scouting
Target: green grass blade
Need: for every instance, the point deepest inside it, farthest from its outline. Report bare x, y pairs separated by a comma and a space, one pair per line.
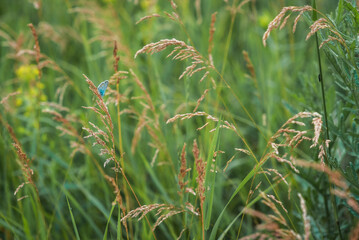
108, 221
12, 226
119, 232
211, 177
241, 185
241, 212
73, 219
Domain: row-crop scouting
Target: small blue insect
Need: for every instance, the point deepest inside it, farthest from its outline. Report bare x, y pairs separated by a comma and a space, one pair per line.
102, 88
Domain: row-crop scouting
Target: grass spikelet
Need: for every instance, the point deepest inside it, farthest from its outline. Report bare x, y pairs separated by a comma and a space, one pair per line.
154, 157
334, 176
201, 170
187, 116
346, 196
108, 144
183, 171
164, 211
278, 174
118, 198
118, 75
203, 126
23, 161
173, 18
296, 20
190, 190
204, 77
321, 23
36, 47
201, 99
273, 225
294, 137
228, 162
173, 5
181, 52
162, 45
243, 151
143, 210
354, 233
283, 160
212, 29
276, 22
278, 202
98, 140
99, 132
251, 192
250, 68
330, 39
257, 214
226, 125
278, 217
4, 100
305, 217
179, 237
154, 15
321, 154
19, 187
165, 216
191, 208
105, 118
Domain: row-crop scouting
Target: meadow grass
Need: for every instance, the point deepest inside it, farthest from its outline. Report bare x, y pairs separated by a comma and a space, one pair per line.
212, 126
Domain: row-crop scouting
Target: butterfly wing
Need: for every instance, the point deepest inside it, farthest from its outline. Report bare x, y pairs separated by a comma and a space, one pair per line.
102, 88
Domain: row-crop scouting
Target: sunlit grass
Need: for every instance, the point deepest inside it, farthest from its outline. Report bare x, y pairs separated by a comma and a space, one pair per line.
202, 133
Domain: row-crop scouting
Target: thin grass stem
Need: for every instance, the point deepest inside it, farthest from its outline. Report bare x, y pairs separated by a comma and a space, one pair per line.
321, 79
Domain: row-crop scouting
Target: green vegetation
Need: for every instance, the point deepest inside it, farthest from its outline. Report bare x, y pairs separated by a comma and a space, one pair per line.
222, 119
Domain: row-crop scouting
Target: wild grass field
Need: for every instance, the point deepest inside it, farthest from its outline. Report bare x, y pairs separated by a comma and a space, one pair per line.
219, 119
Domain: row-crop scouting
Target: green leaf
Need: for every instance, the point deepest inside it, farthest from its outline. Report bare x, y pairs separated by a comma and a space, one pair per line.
353, 10
339, 11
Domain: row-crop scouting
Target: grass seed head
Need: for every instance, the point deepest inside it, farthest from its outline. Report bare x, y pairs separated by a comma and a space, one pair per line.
276, 22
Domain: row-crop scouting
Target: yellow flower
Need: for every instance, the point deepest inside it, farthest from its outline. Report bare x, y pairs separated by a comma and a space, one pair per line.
33, 92
27, 72
40, 85
264, 19
18, 102
43, 98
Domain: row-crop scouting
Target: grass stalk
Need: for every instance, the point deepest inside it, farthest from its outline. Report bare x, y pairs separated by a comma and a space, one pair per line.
321, 80
127, 197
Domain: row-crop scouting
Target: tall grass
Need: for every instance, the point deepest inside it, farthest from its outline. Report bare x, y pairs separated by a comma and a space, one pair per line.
211, 126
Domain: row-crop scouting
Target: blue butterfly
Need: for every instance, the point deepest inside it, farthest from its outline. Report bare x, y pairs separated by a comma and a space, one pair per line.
102, 88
